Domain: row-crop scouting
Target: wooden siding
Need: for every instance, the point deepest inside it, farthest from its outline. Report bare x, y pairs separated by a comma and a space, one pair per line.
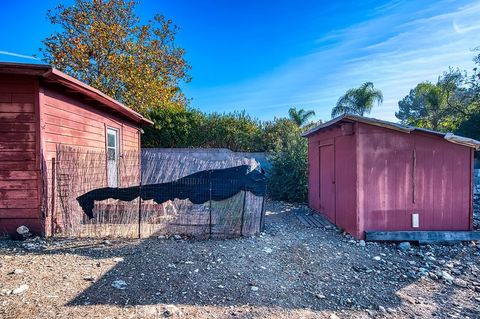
343, 211
383, 176
71, 121
19, 160
402, 174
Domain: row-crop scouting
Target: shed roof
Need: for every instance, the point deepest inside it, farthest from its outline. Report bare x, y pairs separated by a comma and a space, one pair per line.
51, 74
394, 126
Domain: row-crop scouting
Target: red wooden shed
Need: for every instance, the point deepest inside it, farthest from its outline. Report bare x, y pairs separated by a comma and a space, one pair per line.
41, 107
371, 175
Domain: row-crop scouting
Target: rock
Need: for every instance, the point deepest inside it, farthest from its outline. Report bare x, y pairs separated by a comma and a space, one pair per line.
5, 292
89, 278
254, 288
377, 258
423, 270
268, 250
382, 309
16, 272
162, 237
23, 231
359, 268
362, 243
177, 237
460, 282
20, 289
334, 316
170, 310
390, 310
433, 276
320, 296
404, 245
446, 276
119, 284
118, 259
107, 242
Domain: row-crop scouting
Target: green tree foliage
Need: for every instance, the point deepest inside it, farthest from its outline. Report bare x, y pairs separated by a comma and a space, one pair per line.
451, 104
425, 106
103, 43
280, 138
288, 174
358, 100
301, 116
191, 128
174, 127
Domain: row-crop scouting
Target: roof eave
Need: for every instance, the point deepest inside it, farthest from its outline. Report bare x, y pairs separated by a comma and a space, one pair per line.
76, 85
48, 72
394, 126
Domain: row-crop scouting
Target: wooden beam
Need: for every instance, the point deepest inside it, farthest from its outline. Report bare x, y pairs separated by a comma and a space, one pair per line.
422, 236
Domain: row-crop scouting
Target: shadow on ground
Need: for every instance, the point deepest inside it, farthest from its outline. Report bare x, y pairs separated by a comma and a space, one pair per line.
290, 266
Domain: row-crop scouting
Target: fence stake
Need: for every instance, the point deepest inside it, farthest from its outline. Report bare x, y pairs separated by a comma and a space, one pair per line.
262, 211
210, 205
243, 212
54, 177
140, 210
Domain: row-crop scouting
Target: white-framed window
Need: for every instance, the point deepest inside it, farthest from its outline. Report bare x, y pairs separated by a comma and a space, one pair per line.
112, 156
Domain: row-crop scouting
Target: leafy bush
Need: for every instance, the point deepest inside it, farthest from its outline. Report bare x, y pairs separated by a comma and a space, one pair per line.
191, 128
288, 174
280, 138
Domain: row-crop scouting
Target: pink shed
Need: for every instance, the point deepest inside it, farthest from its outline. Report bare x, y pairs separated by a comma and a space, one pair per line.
372, 175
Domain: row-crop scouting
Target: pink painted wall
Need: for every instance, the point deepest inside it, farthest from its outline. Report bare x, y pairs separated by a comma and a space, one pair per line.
438, 188
19, 159
342, 140
378, 187
35, 116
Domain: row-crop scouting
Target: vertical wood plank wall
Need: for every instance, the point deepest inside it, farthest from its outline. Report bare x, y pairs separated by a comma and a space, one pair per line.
375, 178
345, 175
387, 177
19, 160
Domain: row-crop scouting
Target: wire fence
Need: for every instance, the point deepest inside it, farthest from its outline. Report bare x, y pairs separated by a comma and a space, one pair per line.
123, 212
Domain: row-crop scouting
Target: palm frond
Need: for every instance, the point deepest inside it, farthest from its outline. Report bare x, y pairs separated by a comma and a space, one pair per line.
358, 100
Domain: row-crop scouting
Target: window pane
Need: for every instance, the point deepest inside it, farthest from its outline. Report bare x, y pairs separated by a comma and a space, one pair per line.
111, 154
111, 140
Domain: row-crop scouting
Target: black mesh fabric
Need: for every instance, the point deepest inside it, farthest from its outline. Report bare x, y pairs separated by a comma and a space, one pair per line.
200, 187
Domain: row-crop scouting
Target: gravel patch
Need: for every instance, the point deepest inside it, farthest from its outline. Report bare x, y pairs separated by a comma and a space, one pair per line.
288, 271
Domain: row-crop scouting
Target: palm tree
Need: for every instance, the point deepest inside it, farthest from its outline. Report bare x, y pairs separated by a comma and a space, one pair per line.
358, 100
301, 116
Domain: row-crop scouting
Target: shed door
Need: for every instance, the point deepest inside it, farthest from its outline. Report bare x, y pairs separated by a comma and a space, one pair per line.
112, 157
327, 181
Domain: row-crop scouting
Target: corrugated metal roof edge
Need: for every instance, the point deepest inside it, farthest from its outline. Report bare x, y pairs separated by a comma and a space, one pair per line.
48, 72
465, 141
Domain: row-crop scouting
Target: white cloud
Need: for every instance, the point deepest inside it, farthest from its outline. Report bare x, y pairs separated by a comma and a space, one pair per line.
396, 50
18, 55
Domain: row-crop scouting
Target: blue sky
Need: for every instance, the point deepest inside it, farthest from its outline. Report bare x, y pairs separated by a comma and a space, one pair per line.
266, 56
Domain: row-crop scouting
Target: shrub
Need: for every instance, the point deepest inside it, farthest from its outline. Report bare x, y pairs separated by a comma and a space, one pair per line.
288, 173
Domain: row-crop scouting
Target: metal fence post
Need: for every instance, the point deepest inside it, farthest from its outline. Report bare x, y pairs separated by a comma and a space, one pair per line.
210, 204
140, 209
262, 213
52, 213
243, 212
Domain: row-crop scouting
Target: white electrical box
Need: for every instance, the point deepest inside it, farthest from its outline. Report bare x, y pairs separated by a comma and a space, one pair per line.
415, 220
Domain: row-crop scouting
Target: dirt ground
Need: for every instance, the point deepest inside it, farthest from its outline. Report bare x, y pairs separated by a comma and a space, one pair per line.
289, 271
